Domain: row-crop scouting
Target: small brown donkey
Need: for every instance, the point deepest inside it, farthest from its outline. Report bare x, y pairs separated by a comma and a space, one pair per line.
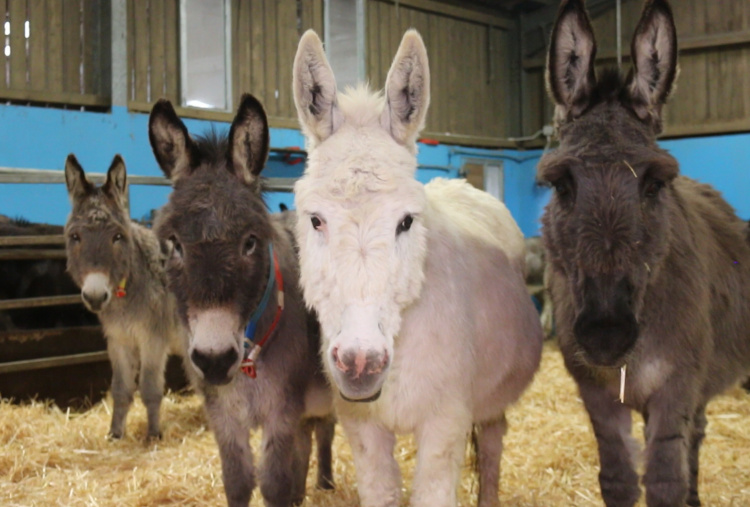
650, 274
119, 267
257, 363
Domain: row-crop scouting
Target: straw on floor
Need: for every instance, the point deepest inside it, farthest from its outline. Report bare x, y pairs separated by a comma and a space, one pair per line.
50, 457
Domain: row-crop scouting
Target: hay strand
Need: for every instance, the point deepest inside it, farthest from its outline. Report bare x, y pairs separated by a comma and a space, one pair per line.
55, 457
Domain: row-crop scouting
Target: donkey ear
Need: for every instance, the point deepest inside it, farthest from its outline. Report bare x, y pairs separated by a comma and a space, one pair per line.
407, 90
173, 148
570, 60
249, 140
654, 51
315, 89
75, 180
117, 178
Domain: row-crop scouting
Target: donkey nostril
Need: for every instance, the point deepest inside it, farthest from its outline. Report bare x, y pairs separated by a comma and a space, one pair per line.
337, 361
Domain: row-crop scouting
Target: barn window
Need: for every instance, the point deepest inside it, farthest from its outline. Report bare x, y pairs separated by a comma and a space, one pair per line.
205, 42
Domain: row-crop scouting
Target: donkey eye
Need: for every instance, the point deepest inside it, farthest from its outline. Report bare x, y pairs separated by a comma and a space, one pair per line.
249, 247
405, 224
117, 237
653, 188
176, 247
316, 222
75, 238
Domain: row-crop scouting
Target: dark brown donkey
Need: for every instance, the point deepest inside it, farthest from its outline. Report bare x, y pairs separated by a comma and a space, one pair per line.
119, 267
233, 267
650, 269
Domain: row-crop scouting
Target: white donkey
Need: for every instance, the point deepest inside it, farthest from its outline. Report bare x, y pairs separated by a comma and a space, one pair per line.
419, 288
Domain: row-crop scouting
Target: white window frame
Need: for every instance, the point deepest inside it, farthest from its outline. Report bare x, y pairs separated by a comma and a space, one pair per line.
228, 106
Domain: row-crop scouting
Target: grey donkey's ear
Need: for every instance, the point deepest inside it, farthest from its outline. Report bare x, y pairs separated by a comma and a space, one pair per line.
75, 180
654, 50
570, 60
314, 87
174, 149
117, 178
407, 90
249, 140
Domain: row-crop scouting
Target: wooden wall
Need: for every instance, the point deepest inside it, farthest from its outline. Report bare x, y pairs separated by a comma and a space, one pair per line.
65, 58
264, 42
713, 89
469, 52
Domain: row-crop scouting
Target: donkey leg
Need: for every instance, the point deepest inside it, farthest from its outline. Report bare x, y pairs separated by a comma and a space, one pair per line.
378, 475
278, 472
490, 449
441, 444
612, 424
696, 438
231, 428
301, 463
670, 421
124, 365
324, 433
153, 363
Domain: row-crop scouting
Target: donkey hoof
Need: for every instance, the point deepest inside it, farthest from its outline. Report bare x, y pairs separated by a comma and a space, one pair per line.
326, 484
154, 436
114, 435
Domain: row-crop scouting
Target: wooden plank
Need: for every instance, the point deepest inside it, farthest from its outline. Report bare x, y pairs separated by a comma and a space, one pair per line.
53, 97
257, 50
435, 119
386, 19
236, 37
50, 362
461, 13
271, 57
91, 41
17, 17
687, 44
72, 47
140, 34
14, 304
55, 239
29, 175
172, 50
286, 27
157, 49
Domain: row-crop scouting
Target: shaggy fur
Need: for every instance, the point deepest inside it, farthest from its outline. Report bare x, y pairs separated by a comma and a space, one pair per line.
649, 269
104, 247
218, 231
427, 326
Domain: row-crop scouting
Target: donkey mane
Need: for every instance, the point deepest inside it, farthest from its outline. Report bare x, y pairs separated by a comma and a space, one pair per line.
212, 146
361, 106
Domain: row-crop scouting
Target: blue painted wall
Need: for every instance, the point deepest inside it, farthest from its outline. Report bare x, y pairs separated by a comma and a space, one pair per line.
41, 138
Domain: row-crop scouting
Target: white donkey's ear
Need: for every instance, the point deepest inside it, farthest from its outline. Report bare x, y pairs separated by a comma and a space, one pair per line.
315, 89
407, 90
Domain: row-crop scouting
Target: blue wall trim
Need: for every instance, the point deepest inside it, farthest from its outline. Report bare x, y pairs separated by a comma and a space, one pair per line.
41, 138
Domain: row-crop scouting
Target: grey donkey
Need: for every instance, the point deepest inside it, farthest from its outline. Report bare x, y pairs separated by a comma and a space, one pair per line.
119, 266
650, 270
252, 343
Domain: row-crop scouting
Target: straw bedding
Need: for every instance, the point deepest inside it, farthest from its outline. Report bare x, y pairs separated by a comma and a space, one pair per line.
51, 457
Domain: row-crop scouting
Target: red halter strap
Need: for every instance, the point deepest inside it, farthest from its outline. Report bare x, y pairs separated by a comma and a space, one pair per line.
253, 349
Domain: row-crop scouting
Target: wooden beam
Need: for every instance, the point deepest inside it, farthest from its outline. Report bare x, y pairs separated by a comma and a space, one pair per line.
705, 129
212, 115
73, 99
51, 362
462, 13
15, 304
56, 239
686, 45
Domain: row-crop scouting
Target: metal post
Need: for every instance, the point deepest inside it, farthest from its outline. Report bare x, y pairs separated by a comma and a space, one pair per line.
119, 29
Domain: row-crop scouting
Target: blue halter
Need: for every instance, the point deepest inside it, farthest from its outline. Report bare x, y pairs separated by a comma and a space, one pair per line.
255, 317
